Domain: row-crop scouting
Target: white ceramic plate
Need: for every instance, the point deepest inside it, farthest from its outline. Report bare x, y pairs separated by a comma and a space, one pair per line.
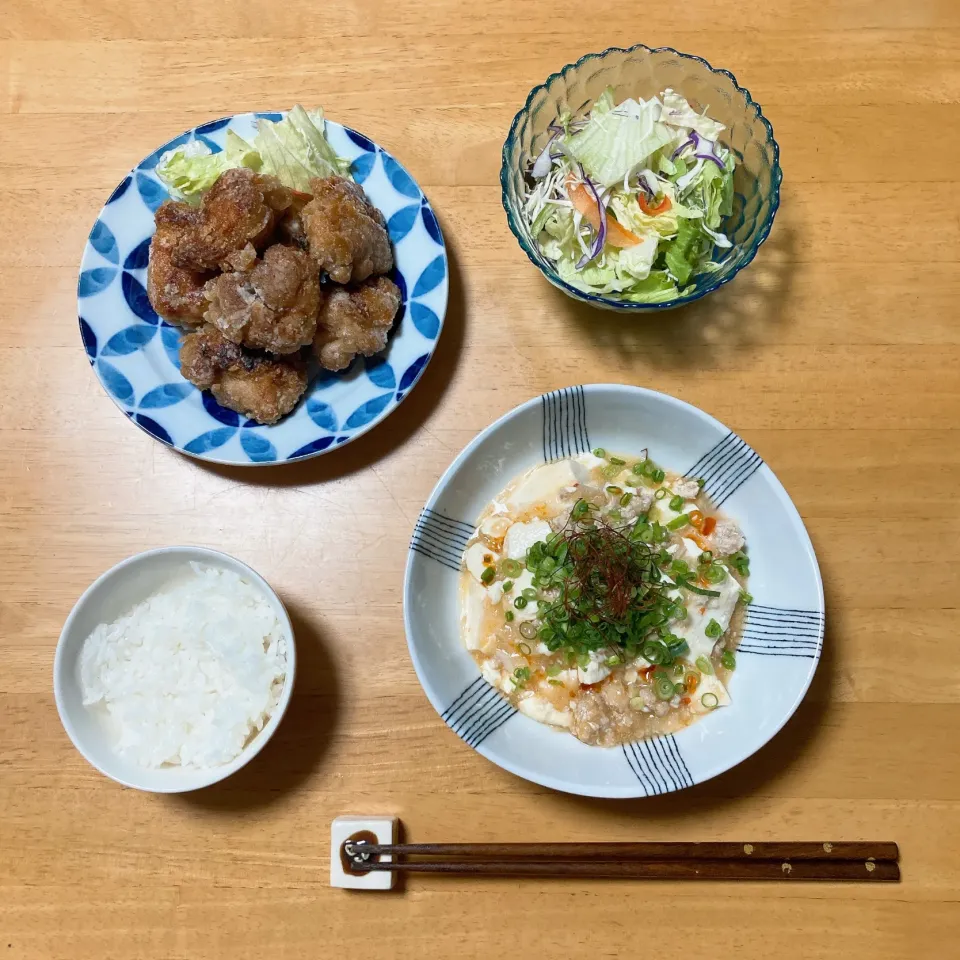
783, 635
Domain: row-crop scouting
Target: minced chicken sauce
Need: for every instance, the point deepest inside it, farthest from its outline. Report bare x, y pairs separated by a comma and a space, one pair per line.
520, 570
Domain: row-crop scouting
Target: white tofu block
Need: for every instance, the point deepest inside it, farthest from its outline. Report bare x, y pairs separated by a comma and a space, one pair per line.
341, 830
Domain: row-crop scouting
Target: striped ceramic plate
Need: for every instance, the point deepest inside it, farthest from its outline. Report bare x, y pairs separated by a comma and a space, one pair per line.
782, 638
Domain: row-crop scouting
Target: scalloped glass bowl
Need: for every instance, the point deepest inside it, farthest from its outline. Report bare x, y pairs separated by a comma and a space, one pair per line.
641, 71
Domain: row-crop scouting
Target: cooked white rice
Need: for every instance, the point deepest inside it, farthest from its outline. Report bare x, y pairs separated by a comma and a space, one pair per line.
189, 675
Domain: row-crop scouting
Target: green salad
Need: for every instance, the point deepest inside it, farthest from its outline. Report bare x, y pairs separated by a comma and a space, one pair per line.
630, 200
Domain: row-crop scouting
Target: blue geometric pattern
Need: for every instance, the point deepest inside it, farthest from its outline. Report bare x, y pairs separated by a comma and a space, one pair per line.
725, 468
564, 424
478, 712
658, 765
441, 538
782, 632
135, 353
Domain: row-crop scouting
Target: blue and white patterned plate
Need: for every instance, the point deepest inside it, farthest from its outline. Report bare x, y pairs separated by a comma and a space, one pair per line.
135, 353
782, 638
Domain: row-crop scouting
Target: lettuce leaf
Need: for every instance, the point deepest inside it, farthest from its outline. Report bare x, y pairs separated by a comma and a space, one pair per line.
192, 169
678, 112
682, 254
620, 140
657, 288
294, 150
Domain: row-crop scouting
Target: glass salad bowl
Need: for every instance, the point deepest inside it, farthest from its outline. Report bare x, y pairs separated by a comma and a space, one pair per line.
644, 72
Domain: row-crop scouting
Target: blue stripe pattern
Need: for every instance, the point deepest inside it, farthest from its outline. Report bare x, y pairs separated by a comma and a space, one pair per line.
725, 468
658, 765
782, 632
564, 424
441, 538
477, 713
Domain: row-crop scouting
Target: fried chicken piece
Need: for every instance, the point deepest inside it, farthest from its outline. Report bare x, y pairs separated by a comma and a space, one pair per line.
273, 306
175, 293
263, 388
240, 210
290, 229
346, 233
355, 320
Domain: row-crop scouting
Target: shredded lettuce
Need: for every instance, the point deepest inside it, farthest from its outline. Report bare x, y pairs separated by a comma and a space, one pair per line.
294, 149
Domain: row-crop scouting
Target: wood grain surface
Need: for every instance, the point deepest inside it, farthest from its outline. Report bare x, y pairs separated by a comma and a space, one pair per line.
835, 355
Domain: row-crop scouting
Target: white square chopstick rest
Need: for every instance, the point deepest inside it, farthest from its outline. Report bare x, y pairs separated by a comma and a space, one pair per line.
341, 830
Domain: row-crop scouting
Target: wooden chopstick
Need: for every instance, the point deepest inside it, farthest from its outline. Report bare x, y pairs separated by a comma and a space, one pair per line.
837, 870
761, 850
764, 860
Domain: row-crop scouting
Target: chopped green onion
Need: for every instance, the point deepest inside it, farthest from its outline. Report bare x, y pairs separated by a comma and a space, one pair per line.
554, 669
715, 573
701, 482
520, 676
678, 669
547, 566
679, 522
657, 475
741, 563
705, 557
555, 683
580, 509
679, 567
637, 703
746, 597
612, 660
704, 665
524, 648
727, 660
528, 631
529, 593
660, 494
615, 515
710, 701
679, 689
600, 452
488, 575
687, 585
660, 533
714, 631
625, 499
508, 616
676, 503
614, 491
507, 586
511, 568
654, 651
677, 648
618, 461
612, 471
663, 688
648, 468
520, 602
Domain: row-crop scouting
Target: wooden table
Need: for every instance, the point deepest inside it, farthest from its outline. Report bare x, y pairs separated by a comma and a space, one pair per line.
835, 355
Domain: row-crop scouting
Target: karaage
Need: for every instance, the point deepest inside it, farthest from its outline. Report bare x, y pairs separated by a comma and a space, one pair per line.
259, 387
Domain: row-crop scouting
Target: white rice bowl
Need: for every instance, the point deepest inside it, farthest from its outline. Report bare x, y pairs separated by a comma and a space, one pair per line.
174, 669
